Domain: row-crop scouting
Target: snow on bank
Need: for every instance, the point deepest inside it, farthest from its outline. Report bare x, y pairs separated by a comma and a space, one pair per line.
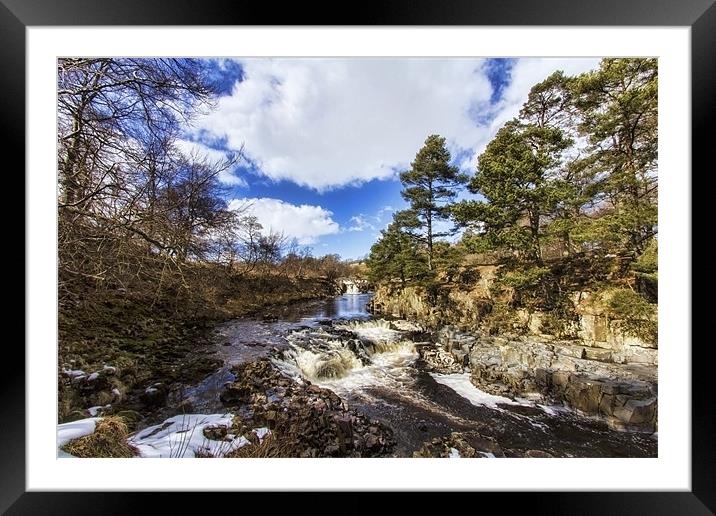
183, 437
178, 437
67, 432
95, 411
461, 384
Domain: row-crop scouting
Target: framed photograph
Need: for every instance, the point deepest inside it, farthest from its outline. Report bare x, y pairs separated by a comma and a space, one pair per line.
319, 249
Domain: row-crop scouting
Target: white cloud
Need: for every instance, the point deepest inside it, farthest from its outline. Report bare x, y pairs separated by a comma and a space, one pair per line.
384, 210
306, 223
360, 223
215, 156
325, 123
525, 73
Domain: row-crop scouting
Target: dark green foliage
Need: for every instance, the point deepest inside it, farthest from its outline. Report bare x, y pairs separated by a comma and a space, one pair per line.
636, 315
501, 318
513, 177
617, 107
566, 200
646, 272
396, 256
429, 185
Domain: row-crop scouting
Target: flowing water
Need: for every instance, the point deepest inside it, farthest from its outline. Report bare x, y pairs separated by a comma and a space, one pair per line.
374, 368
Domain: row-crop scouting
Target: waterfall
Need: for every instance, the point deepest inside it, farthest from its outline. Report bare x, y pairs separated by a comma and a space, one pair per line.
325, 356
351, 287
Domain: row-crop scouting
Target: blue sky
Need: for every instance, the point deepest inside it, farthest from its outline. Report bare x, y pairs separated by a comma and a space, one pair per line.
324, 139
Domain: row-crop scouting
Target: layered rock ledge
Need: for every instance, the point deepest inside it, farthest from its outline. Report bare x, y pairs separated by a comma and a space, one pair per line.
581, 377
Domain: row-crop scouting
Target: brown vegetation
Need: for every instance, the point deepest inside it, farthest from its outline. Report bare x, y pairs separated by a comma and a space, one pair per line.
108, 440
150, 253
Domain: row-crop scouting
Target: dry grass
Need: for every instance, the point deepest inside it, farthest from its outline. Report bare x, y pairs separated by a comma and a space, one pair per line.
108, 440
270, 447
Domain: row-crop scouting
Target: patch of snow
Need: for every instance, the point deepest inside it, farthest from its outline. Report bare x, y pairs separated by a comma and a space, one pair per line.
66, 432
116, 392
488, 455
92, 377
461, 384
554, 410
454, 453
262, 432
73, 373
150, 390
109, 369
94, 411
183, 436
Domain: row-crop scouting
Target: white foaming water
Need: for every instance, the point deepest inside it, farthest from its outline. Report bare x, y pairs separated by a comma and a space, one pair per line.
352, 288
388, 369
374, 331
333, 363
377, 357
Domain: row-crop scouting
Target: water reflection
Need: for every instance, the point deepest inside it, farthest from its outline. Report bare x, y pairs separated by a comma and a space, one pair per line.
347, 306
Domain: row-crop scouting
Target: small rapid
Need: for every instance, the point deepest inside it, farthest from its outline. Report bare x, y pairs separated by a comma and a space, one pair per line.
351, 355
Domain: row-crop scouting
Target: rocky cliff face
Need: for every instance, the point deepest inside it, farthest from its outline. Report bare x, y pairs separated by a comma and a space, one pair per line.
624, 395
601, 336
600, 372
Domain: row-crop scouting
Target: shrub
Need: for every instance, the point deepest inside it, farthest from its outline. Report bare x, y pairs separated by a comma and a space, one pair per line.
637, 316
560, 327
108, 440
270, 447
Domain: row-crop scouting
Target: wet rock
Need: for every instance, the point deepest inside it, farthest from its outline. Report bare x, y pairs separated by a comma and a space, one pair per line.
155, 395
309, 420
580, 377
407, 326
466, 444
438, 360
538, 454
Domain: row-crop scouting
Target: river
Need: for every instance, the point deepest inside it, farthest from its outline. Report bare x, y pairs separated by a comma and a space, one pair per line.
384, 380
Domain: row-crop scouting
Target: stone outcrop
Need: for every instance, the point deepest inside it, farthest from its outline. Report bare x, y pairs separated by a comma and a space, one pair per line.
460, 445
309, 420
436, 359
601, 371
601, 336
562, 372
626, 405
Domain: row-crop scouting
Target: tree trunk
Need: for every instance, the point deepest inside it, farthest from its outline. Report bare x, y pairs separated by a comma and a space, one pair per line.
534, 228
430, 229
430, 240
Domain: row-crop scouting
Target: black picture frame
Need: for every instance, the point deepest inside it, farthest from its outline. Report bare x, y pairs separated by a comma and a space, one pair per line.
700, 15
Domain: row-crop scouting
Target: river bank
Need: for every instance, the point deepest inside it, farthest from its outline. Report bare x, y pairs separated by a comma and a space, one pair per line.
123, 354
